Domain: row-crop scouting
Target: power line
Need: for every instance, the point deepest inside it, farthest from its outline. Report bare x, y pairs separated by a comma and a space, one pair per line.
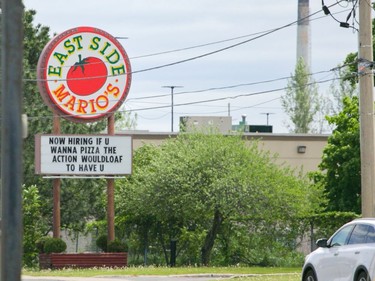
226, 87
220, 41
228, 97
352, 14
236, 96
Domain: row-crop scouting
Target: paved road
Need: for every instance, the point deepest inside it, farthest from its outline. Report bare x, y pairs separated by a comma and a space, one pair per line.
203, 277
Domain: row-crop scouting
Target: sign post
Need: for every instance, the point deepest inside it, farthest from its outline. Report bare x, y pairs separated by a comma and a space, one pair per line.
111, 191
56, 189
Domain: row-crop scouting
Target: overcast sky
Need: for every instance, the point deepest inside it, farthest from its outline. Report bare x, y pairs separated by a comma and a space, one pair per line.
159, 26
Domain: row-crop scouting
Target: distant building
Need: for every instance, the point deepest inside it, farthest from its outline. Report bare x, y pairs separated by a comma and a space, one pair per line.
222, 124
244, 127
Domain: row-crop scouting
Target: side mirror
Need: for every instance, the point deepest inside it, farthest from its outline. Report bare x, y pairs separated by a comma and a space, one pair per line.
322, 243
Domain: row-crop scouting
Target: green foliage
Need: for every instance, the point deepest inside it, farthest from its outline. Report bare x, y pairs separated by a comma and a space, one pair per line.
326, 224
40, 243
125, 120
193, 187
114, 246
54, 245
301, 101
102, 243
117, 246
341, 88
260, 245
341, 164
33, 226
351, 62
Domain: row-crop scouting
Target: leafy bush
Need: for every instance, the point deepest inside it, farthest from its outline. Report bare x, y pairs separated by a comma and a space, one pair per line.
117, 246
33, 225
101, 242
39, 244
54, 245
327, 223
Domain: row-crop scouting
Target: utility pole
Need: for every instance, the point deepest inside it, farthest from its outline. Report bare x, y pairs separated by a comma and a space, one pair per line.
366, 108
268, 114
11, 139
172, 88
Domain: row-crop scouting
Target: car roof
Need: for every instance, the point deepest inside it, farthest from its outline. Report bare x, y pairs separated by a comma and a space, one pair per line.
364, 220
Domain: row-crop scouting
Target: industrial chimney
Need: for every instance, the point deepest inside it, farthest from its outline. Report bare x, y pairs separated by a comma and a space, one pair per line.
303, 32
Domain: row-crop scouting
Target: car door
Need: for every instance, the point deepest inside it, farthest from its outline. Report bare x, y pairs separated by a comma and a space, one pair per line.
350, 255
329, 262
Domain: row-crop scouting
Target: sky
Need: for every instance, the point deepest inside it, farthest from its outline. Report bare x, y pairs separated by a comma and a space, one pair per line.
190, 44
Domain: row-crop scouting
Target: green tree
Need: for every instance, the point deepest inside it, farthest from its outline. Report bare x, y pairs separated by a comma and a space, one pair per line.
341, 164
125, 120
341, 88
199, 183
332, 102
301, 101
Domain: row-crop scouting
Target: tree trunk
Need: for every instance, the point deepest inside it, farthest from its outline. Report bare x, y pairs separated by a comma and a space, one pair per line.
210, 238
161, 241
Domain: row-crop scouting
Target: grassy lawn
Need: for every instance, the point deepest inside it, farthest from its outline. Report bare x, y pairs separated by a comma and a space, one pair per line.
268, 274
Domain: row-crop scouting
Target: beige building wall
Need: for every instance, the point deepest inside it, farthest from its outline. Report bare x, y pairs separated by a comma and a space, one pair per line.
285, 146
192, 123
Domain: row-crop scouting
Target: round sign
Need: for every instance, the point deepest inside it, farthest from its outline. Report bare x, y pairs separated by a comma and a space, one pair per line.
84, 74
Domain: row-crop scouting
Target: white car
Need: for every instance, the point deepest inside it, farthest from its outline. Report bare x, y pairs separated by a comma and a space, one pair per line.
349, 255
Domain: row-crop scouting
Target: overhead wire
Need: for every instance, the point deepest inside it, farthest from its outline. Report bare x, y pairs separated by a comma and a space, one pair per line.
202, 101
219, 41
224, 87
231, 86
216, 99
237, 96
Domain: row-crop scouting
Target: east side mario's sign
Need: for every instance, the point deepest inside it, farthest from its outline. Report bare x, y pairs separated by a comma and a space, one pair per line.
84, 74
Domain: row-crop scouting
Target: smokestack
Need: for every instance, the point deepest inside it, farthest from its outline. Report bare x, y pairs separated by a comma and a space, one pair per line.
303, 32
243, 119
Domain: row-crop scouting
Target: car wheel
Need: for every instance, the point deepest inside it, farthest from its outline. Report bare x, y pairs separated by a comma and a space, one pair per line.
362, 276
310, 276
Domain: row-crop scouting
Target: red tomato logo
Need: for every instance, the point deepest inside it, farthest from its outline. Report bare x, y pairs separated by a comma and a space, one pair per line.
86, 76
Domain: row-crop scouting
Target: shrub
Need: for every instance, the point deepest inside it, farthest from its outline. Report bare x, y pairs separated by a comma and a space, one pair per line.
54, 245
117, 246
101, 242
39, 244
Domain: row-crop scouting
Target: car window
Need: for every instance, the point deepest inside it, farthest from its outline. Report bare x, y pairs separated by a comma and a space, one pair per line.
370, 235
341, 237
359, 234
